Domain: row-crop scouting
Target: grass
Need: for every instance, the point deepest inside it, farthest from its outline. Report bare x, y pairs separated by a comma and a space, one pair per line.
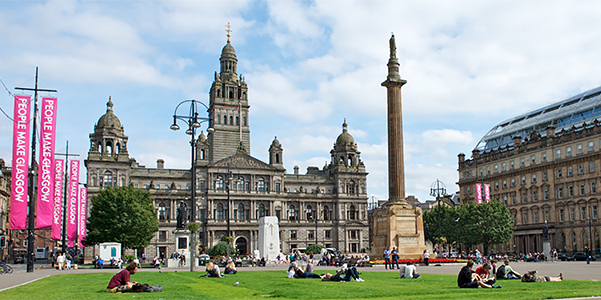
274, 284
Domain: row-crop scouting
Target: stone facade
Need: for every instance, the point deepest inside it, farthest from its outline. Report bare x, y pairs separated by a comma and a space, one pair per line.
549, 179
234, 190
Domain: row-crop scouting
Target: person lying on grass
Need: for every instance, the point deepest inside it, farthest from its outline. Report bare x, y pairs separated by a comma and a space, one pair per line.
468, 279
213, 270
121, 281
531, 276
345, 274
299, 273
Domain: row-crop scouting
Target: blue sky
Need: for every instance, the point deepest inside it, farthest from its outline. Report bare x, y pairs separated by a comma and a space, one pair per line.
308, 65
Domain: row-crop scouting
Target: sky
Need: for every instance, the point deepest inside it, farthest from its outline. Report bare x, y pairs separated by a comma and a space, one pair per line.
309, 65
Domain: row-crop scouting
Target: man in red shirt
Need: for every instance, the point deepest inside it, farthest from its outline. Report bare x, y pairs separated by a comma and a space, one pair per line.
120, 282
484, 272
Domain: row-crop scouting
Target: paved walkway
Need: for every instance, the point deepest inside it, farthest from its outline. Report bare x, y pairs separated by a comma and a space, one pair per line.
570, 270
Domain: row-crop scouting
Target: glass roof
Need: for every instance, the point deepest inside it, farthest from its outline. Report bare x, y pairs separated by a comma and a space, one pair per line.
572, 111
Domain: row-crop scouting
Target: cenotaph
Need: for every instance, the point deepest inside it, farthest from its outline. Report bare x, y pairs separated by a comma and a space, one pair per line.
269, 238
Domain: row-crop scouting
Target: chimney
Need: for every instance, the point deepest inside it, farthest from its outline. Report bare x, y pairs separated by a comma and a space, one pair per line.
160, 163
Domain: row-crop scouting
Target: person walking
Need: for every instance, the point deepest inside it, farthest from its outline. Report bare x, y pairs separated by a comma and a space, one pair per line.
426, 257
395, 257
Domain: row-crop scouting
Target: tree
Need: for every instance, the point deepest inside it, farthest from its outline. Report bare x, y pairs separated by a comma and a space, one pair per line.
122, 214
218, 249
316, 249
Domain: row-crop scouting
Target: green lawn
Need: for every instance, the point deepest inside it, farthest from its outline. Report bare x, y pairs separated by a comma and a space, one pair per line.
266, 284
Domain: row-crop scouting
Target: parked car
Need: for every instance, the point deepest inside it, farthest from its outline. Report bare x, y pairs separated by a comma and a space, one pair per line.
563, 257
581, 256
203, 259
19, 260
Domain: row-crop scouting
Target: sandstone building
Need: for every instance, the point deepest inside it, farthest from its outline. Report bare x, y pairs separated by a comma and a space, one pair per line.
327, 206
544, 165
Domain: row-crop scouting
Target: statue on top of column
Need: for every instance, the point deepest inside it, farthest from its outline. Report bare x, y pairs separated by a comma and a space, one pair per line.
392, 46
181, 215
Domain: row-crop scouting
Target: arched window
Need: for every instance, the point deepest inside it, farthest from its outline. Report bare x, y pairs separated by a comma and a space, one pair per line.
219, 183
240, 184
326, 213
107, 179
261, 210
309, 212
219, 213
231, 94
277, 158
162, 212
241, 211
351, 187
261, 185
218, 93
291, 213
231, 120
218, 119
243, 121
224, 120
237, 121
109, 147
585, 239
202, 154
574, 244
352, 213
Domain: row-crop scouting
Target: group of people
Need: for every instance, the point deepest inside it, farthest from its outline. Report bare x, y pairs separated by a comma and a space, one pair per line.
486, 275
64, 261
213, 270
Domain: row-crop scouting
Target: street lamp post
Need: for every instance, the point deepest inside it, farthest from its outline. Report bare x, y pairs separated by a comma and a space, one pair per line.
193, 122
438, 189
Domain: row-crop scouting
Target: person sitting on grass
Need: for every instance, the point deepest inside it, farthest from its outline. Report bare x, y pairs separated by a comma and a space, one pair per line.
300, 274
484, 272
531, 276
411, 271
121, 281
230, 268
468, 279
507, 272
213, 270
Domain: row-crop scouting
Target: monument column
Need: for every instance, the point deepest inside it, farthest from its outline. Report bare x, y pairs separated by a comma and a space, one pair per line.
396, 170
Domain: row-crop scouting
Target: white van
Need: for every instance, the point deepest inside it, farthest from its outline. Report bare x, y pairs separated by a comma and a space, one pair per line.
41, 253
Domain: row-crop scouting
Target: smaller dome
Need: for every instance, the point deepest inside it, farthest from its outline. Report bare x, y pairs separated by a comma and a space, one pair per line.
109, 120
345, 138
228, 51
275, 142
201, 138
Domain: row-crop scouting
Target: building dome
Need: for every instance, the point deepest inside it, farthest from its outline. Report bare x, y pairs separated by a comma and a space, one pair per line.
228, 51
109, 120
576, 111
275, 143
345, 138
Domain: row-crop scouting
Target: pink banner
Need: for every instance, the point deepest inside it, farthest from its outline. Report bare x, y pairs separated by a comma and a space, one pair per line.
487, 192
57, 213
20, 163
83, 214
478, 193
45, 199
72, 206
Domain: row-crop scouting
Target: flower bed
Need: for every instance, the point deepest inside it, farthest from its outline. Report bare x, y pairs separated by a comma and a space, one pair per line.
418, 261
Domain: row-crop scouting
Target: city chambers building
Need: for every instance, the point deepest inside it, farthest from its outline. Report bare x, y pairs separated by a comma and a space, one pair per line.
234, 190
544, 165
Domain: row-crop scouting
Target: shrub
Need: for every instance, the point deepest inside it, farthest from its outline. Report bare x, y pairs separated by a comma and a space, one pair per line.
316, 249
219, 249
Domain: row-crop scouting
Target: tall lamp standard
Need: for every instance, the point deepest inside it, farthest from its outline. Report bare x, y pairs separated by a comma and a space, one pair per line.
193, 122
438, 189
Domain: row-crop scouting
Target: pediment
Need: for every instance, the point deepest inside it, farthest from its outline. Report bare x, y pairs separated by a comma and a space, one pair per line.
241, 160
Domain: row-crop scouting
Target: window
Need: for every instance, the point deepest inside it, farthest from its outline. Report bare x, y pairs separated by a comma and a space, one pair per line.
546, 215
107, 179
570, 190
581, 189
594, 212
352, 213
354, 234
590, 146
503, 167
524, 218
558, 154
524, 197
579, 149
202, 185
293, 234
241, 215
533, 159
559, 173
593, 188
158, 187
568, 151
328, 234
545, 178
571, 212
534, 217
560, 192
277, 187
534, 195
326, 213
219, 183
219, 213
523, 179
570, 173
522, 162
261, 185
512, 181
496, 185
511, 166
481, 173
261, 210
533, 178
583, 213
309, 212
561, 215
352, 187
544, 156
162, 212
505, 199
591, 166
580, 169
310, 234
496, 168
512, 199
504, 183
291, 213
162, 236
546, 194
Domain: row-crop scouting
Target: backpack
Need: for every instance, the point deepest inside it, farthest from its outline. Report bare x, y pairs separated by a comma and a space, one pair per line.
501, 272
